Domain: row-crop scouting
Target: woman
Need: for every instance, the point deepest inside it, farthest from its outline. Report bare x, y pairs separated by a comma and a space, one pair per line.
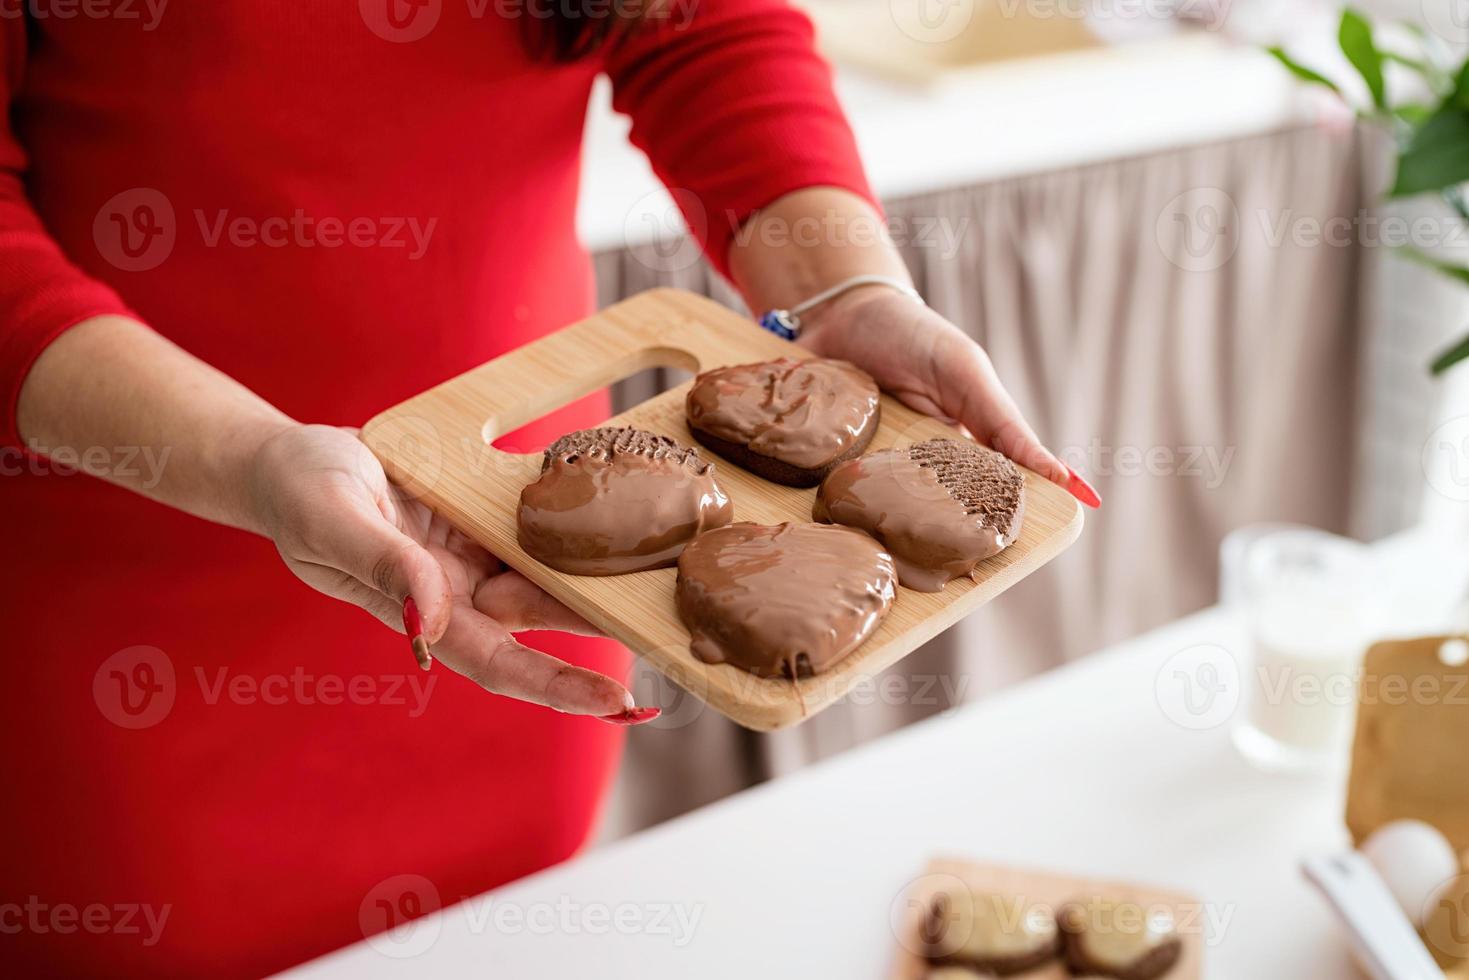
227, 229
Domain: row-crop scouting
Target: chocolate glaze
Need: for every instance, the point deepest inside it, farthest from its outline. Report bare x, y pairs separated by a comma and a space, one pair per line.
782, 600
617, 500
804, 413
994, 933
940, 507
1120, 939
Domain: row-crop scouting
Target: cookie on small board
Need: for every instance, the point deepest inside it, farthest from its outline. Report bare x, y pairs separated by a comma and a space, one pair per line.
940, 506
616, 500
787, 421
1119, 939
1048, 889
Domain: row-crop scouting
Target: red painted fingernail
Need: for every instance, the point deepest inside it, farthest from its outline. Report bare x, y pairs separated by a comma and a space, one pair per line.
413, 626
632, 716
1082, 490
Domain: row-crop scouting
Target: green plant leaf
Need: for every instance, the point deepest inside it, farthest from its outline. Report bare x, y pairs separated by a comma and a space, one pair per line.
1450, 356
1414, 28
1461, 87
1458, 272
1414, 114
1421, 67
1355, 37
1437, 155
1301, 71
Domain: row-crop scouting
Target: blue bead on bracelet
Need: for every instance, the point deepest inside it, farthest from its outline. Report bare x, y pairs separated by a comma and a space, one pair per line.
778, 322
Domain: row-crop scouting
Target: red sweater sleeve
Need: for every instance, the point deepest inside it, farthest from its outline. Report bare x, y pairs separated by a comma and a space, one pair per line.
41, 292
734, 108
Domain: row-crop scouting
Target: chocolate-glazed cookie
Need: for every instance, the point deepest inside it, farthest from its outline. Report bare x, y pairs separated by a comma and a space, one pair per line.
616, 500
1119, 939
997, 935
788, 421
940, 507
779, 600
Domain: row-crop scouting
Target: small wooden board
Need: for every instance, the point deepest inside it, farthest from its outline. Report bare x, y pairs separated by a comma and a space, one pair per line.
1048, 889
437, 445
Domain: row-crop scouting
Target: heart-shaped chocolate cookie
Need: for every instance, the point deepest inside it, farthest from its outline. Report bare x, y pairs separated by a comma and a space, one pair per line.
782, 600
615, 500
786, 420
940, 506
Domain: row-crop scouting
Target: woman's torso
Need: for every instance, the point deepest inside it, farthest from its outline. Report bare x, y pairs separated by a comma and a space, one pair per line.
338, 212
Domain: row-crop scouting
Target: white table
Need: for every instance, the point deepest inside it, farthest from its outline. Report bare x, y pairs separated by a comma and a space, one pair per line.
1080, 771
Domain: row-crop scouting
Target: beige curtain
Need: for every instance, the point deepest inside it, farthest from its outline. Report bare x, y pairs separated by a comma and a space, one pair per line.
1178, 326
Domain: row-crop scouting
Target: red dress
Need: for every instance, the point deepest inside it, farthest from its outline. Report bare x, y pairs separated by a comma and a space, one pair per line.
208, 766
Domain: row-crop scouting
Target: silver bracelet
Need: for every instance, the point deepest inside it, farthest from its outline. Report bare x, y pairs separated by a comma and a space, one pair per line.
786, 324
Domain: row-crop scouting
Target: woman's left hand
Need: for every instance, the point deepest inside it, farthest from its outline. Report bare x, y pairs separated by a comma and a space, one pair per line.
932, 367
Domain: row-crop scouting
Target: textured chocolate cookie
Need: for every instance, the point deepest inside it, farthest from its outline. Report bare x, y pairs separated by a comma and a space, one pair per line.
787, 600
1119, 939
788, 421
940, 507
616, 500
996, 935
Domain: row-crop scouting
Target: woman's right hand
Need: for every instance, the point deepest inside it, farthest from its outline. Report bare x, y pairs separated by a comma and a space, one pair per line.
345, 530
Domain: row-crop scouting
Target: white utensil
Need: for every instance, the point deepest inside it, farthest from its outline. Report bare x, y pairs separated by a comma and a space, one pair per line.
1382, 938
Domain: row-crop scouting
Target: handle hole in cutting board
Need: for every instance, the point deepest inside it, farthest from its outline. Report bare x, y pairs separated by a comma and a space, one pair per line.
625, 368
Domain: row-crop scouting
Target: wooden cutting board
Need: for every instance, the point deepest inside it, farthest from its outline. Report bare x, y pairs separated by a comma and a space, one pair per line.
437, 445
1053, 891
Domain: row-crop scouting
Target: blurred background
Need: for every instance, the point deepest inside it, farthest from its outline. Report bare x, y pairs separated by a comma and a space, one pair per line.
1179, 258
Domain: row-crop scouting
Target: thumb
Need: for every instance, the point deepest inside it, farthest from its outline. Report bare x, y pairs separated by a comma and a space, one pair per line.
384, 559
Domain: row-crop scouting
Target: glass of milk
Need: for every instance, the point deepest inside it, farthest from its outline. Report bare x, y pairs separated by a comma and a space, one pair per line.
1310, 606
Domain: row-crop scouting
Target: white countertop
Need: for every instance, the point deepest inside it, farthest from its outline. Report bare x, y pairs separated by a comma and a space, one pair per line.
1004, 120
1079, 771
